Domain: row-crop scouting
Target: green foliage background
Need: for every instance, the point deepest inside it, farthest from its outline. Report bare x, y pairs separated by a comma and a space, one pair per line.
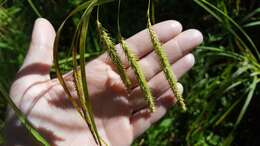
222, 86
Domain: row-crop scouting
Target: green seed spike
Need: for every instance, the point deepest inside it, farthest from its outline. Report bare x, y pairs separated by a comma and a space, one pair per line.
165, 64
110, 47
133, 62
139, 74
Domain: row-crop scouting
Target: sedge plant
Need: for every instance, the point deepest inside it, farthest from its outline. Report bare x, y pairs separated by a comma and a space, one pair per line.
78, 46
214, 100
79, 73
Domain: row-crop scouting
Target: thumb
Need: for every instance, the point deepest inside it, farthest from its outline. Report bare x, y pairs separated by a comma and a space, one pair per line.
39, 58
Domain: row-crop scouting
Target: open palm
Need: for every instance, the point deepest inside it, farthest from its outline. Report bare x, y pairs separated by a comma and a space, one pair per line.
120, 117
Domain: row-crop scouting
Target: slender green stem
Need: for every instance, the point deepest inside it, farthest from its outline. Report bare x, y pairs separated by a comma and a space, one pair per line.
23, 119
87, 112
209, 7
82, 46
153, 12
56, 55
78, 79
59, 74
34, 8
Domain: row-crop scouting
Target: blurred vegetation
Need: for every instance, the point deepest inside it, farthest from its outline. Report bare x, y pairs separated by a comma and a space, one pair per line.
221, 90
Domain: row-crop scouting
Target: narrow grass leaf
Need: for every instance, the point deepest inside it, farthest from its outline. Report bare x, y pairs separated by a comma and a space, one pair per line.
87, 115
88, 112
248, 16
223, 117
82, 45
252, 24
248, 99
22, 118
34, 8
211, 6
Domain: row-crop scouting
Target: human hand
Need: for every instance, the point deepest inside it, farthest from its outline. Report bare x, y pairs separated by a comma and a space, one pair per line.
120, 118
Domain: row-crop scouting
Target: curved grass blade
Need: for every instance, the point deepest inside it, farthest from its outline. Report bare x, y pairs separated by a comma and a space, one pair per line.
228, 141
223, 117
22, 118
56, 57
252, 24
221, 52
240, 40
56, 47
133, 61
87, 108
82, 45
248, 99
210, 6
59, 74
89, 5
34, 8
167, 69
78, 78
248, 16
